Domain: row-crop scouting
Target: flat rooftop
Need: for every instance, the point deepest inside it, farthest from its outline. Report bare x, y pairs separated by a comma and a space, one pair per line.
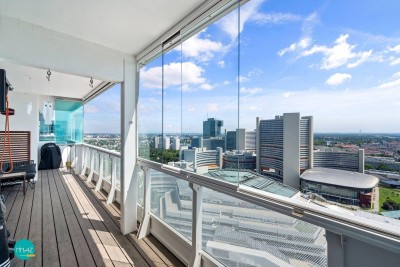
340, 178
255, 180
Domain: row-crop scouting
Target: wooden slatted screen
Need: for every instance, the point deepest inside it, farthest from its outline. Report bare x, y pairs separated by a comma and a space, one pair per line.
20, 146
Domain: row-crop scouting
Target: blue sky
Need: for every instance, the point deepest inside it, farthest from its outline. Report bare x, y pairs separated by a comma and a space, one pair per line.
338, 61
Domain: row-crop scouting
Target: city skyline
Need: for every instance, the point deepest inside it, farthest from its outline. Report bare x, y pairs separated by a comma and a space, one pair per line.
343, 70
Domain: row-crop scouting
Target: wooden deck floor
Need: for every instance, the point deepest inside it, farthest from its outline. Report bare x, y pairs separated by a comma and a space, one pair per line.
70, 225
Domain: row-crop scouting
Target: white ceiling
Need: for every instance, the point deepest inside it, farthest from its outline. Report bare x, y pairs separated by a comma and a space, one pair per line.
128, 26
33, 80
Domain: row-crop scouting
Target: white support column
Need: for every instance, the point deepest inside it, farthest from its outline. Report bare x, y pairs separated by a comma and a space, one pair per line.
92, 154
101, 172
197, 223
145, 225
111, 195
129, 98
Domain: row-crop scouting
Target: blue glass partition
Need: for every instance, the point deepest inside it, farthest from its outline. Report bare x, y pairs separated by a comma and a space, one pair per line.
68, 121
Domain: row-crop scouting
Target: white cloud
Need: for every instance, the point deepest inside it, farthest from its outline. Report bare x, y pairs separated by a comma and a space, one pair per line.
301, 44
395, 49
392, 84
254, 72
202, 49
339, 54
226, 82
242, 79
249, 13
206, 86
337, 79
287, 94
221, 64
395, 61
250, 91
192, 74
364, 56
305, 39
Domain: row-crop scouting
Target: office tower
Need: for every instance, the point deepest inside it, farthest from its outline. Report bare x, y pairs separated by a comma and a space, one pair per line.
342, 160
284, 147
167, 143
197, 142
213, 143
203, 159
176, 143
212, 127
240, 140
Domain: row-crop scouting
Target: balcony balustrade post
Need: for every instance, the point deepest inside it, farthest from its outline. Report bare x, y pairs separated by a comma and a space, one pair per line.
197, 220
144, 229
101, 172
92, 158
84, 160
111, 194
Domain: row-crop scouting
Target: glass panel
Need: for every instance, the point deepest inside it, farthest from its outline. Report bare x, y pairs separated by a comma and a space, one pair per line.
171, 200
150, 111
118, 172
68, 121
209, 95
140, 186
106, 167
238, 233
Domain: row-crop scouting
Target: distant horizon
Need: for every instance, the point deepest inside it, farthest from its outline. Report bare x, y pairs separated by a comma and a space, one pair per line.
172, 133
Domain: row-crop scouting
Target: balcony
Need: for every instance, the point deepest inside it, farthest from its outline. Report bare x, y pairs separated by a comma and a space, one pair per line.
105, 208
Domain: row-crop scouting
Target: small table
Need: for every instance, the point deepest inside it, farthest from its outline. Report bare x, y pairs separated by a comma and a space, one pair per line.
15, 175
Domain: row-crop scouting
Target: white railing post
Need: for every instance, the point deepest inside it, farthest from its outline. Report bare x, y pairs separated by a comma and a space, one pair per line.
197, 222
101, 172
92, 156
111, 195
84, 160
144, 229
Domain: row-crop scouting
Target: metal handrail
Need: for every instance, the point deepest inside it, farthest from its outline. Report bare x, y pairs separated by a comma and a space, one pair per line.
370, 231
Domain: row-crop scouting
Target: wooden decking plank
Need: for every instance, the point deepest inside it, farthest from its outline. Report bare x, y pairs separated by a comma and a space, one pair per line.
131, 253
95, 245
149, 247
111, 247
22, 227
66, 250
14, 213
50, 255
112, 226
82, 251
12, 195
35, 228
99, 223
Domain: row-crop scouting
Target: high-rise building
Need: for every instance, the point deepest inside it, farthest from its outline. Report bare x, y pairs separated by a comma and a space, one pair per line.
167, 142
157, 142
176, 143
341, 160
212, 127
240, 140
197, 142
284, 147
